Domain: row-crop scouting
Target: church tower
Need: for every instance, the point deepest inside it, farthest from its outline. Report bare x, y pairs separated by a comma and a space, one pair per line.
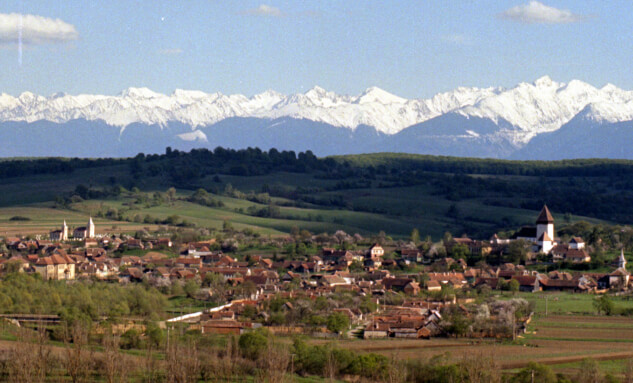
621, 261
65, 232
90, 229
545, 224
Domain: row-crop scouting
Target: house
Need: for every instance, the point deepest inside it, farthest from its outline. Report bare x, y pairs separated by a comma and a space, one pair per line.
188, 262
433, 286
376, 330
376, 251
412, 288
396, 284
222, 326
134, 243
56, 267
528, 283
570, 253
577, 256
558, 284
411, 255
577, 243
457, 280
132, 274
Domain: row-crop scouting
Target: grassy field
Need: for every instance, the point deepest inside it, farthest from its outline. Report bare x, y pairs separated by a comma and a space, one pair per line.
43, 218
560, 339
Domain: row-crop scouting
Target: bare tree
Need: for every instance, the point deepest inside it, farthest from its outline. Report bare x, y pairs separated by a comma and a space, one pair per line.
397, 372
589, 372
628, 371
182, 362
330, 369
274, 363
480, 368
19, 367
78, 358
114, 367
150, 368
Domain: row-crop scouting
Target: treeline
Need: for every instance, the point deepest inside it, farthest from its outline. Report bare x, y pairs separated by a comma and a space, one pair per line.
29, 294
254, 161
464, 165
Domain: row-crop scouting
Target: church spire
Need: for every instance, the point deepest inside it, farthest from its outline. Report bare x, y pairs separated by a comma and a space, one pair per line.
545, 216
621, 260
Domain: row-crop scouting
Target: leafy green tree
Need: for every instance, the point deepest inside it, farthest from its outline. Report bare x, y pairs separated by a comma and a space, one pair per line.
517, 251
155, 335
131, 339
513, 285
253, 344
604, 304
459, 251
337, 322
191, 287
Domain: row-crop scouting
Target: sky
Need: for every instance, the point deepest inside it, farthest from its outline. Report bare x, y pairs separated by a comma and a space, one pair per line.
413, 49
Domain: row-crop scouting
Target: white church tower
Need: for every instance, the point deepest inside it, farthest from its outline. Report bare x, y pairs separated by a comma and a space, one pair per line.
65, 232
545, 224
90, 229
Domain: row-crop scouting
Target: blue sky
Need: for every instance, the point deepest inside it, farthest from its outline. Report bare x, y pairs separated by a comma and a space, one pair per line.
410, 48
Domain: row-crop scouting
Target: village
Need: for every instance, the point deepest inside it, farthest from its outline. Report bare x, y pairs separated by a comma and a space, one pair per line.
379, 291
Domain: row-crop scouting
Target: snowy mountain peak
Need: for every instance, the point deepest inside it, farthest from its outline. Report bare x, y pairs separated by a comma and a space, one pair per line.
188, 94
545, 82
375, 94
139, 93
524, 110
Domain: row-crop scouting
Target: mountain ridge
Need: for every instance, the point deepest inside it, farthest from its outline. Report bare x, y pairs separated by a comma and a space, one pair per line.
494, 122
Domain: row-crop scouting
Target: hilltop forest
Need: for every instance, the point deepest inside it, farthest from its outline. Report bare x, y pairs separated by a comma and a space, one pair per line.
279, 190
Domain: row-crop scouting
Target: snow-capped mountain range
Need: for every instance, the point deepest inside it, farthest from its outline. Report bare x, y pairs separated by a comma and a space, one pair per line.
491, 122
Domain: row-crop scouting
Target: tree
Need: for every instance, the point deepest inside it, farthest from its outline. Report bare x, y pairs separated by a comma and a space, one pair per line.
588, 372
518, 250
78, 359
628, 371
274, 363
535, 372
253, 344
191, 287
337, 322
513, 285
113, 364
604, 304
415, 236
171, 194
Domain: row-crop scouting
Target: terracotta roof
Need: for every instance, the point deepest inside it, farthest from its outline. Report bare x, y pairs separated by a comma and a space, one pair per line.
544, 237
545, 216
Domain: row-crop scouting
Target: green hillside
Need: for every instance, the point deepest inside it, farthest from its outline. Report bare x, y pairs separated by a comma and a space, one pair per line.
272, 192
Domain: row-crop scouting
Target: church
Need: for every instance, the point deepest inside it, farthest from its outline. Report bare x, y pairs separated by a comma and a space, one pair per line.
541, 235
81, 232
60, 235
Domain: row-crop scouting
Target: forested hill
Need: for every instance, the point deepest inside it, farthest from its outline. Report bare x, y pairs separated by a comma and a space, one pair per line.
477, 196
248, 162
